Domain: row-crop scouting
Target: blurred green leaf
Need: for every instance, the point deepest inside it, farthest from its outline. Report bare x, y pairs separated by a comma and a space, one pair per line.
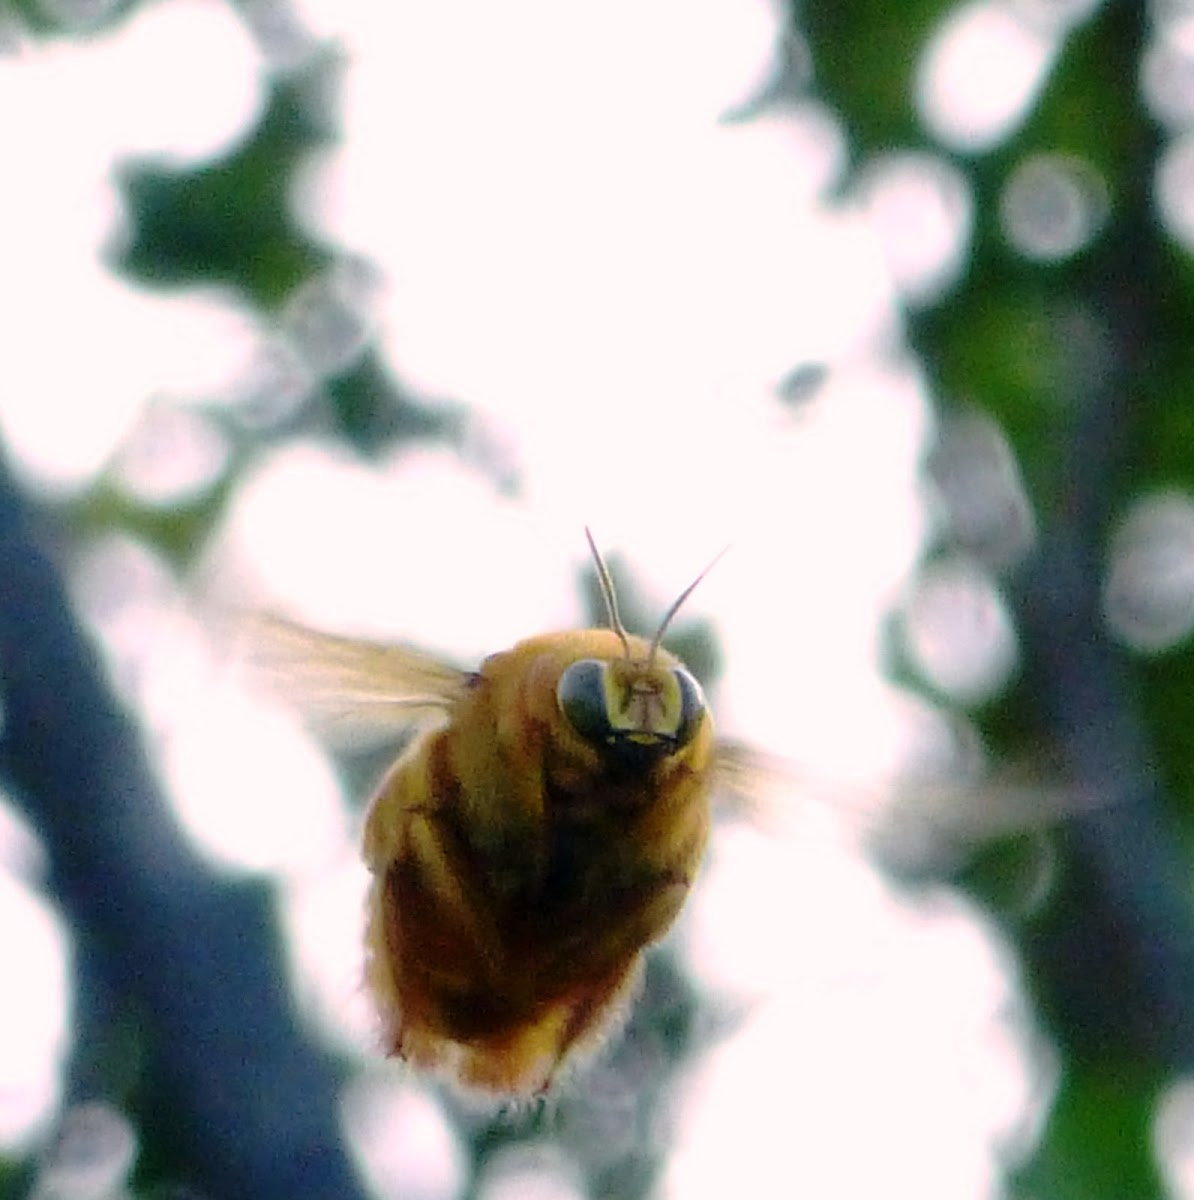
231, 222
1099, 1135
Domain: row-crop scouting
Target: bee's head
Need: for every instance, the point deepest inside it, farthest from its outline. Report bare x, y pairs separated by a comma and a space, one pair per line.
635, 711
632, 712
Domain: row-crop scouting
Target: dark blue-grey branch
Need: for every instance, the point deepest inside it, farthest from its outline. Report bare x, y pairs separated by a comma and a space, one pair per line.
183, 1014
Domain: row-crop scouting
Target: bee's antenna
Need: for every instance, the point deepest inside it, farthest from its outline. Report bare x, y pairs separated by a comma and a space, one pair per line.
608, 595
679, 600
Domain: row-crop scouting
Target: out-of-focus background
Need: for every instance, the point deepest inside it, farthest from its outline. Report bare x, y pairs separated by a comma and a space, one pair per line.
360, 312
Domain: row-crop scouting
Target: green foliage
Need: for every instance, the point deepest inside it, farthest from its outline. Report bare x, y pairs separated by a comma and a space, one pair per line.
69, 18
369, 410
864, 61
1099, 1132
230, 222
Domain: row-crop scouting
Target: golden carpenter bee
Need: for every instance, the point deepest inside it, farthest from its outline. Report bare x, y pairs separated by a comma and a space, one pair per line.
543, 829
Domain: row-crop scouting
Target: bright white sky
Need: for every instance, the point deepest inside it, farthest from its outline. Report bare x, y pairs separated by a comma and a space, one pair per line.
617, 282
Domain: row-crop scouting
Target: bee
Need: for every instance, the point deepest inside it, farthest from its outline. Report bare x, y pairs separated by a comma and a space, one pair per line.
543, 829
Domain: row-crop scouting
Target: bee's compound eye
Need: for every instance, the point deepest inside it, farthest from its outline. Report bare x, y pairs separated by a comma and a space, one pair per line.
584, 701
692, 705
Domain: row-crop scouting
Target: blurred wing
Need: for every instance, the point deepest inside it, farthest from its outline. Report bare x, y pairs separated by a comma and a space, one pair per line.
938, 822
746, 782
780, 796
908, 826
349, 690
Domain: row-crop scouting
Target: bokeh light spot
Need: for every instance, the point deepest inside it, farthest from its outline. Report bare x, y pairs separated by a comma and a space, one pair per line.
958, 631
1053, 206
981, 492
329, 320
322, 910
34, 1014
1173, 1139
1175, 189
1149, 595
980, 73
920, 207
1167, 69
252, 789
531, 1172
173, 455
21, 851
797, 1082
402, 1140
91, 1158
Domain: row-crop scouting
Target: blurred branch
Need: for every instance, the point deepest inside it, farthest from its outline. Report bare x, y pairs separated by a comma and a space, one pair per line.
181, 967
1130, 887
1111, 962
